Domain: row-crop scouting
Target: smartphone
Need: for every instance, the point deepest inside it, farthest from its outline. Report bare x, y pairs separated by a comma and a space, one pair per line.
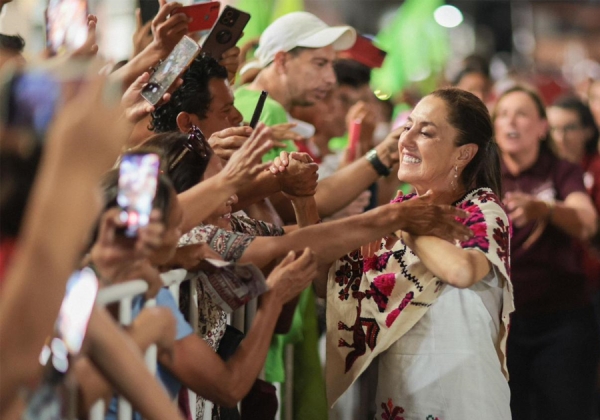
259, 107
138, 174
66, 25
226, 32
76, 308
204, 15
148, 9
169, 70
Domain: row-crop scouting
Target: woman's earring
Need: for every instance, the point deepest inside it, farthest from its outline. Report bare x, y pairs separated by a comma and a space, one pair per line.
455, 180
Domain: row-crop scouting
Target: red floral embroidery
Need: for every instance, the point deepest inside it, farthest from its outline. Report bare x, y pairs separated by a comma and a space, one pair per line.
385, 283
394, 314
501, 235
476, 222
402, 198
390, 411
376, 263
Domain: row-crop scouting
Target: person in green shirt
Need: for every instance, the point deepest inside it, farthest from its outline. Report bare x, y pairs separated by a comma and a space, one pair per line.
295, 54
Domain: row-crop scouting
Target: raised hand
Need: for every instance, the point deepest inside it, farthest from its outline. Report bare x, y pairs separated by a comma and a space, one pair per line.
284, 132
362, 112
191, 257
231, 61
297, 174
292, 275
135, 106
167, 32
524, 208
226, 142
245, 164
112, 254
89, 47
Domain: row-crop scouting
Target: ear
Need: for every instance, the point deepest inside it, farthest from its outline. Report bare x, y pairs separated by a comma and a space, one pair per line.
184, 122
466, 153
280, 60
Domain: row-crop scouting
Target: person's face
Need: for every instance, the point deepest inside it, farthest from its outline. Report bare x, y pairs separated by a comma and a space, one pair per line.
309, 75
221, 113
172, 233
594, 100
518, 126
568, 134
427, 147
221, 217
476, 83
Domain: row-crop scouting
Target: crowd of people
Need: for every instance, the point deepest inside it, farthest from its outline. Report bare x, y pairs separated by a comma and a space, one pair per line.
452, 251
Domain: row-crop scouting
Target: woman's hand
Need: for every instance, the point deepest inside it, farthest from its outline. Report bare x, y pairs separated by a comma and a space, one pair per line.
420, 216
89, 47
284, 132
524, 208
226, 142
297, 174
112, 254
292, 275
136, 107
167, 32
159, 325
245, 164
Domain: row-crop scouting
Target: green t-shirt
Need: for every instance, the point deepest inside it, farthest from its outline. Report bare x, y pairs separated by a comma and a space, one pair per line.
273, 113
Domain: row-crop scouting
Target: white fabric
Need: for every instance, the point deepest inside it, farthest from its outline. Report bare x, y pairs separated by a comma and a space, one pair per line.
301, 29
447, 365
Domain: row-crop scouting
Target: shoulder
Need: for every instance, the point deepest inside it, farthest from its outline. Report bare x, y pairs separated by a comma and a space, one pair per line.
483, 206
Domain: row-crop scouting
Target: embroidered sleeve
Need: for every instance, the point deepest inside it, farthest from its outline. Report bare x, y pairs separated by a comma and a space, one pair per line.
229, 245
254, 227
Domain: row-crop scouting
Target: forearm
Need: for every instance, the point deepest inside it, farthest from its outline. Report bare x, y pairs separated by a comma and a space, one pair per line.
577, 222
306, 211
53, 234
200, 201
265, 185
149, 57
120, 361
340, 189
453, 265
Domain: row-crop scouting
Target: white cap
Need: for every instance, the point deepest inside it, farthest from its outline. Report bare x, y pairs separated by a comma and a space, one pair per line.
301, 29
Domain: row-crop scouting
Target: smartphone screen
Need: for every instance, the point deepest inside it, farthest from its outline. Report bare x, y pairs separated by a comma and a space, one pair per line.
66, 25
169, 70
148, 9
226, 32
137, 187
76, 309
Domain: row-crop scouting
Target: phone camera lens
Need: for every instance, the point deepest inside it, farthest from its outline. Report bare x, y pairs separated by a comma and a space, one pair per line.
223, 37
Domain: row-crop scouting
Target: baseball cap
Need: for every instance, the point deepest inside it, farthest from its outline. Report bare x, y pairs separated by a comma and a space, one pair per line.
301, 29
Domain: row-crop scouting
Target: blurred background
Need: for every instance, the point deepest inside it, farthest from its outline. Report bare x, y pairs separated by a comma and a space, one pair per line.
427, 40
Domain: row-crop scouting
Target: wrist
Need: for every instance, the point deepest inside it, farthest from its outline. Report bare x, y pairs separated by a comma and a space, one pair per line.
384, 155
270, 302
548, 209
378, 165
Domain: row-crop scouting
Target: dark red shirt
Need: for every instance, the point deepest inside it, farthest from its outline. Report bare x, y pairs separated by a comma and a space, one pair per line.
547, 273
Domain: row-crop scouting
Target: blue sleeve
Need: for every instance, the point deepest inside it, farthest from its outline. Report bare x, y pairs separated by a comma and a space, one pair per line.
165, 299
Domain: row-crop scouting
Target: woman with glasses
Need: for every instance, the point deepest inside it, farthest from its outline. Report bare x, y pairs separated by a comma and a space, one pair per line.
553, 343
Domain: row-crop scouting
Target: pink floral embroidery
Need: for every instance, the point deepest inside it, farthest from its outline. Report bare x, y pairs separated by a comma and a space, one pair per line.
394, 314
402, 198
390, 411
385, 283
501, 236
375, 262
476, 222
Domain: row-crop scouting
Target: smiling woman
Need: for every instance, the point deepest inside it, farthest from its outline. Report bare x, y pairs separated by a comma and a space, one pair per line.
434, 312
553, 344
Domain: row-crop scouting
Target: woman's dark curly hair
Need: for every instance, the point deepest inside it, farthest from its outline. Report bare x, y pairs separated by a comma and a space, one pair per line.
192, 96
190, 168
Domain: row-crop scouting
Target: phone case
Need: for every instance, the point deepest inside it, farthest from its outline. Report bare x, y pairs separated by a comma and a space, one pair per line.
204, 15
169, 70
226, 32
148, 9
66, 25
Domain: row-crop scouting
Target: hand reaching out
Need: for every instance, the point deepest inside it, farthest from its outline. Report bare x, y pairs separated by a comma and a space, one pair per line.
292, 275
226, 142
89, 47
297, 173
136, 107
524, 208
231, 61
191, 257
167, 32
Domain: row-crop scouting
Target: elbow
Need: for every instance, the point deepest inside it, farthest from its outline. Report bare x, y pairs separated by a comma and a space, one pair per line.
461, 275
230, 394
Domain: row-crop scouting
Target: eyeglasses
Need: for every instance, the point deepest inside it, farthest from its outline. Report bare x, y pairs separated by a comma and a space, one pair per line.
195, 143
567, 129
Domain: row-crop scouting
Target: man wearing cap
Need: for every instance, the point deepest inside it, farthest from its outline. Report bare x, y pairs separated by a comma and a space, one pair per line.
295, 54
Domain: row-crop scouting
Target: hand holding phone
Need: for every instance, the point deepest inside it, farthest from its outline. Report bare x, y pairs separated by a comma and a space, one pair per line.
203, 15
137, 187
259, 107
66, 25
169, 70
226, 32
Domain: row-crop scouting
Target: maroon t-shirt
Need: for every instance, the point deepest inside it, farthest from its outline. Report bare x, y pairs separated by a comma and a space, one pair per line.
546, 273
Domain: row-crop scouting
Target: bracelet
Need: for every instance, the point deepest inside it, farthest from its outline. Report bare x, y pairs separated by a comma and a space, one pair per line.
377, 164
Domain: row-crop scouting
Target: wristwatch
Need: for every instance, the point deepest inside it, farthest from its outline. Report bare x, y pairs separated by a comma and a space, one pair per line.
377, 164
